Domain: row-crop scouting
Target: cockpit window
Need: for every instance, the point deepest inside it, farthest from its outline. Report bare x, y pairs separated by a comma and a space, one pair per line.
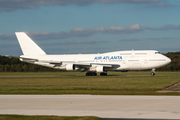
157, 52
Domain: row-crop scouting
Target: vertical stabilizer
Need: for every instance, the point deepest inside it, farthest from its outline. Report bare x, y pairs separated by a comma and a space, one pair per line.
28, 46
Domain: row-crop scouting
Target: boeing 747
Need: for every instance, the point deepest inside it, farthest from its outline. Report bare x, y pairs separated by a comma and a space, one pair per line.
92, 63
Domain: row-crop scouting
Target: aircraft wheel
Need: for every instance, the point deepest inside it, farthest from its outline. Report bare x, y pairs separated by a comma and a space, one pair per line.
94, 74
103, 74
153, 74
87, 74
91, 74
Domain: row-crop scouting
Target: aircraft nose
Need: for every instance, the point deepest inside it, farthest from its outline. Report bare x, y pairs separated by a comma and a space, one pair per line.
168, 60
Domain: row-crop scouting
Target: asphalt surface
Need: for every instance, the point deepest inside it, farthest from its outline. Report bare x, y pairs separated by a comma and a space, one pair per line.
132, 119
104, 106
175, 87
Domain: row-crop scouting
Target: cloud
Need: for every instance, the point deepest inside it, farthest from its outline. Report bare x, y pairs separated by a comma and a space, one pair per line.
10, 5
78, 42
130, 40
127, 1
79, 32
168, 27
130, 29
83, 42
168, 49
163, 38
6, 37
83, 32
161, 5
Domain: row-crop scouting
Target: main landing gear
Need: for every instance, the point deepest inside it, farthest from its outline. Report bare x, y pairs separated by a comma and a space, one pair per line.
103, 74
91, 74
95, 74
153, 72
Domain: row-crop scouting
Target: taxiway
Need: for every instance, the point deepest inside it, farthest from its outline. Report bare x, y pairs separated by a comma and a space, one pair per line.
104, 106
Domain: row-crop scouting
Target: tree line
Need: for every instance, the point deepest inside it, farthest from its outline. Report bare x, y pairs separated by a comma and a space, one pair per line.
15, 65
175, 62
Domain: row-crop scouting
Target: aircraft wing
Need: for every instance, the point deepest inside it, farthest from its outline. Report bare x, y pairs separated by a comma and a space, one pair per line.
79, 66
108, 65
96, 64
87, 66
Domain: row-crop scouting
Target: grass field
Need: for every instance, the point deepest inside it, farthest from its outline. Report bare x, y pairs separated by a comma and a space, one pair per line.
26, 117
117, 83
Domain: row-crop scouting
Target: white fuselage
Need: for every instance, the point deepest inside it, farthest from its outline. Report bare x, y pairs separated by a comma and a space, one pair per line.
111, 61
127, 60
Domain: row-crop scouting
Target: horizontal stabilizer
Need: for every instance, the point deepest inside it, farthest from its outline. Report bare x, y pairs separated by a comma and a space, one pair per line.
11, 56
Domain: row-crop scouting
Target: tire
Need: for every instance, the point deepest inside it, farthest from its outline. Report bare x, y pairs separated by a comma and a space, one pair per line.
95, 74
153, 74
87, 74
91, 74
103, 74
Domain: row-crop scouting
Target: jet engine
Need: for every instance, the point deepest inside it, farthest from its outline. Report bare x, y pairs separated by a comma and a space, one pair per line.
70, 67
97, 69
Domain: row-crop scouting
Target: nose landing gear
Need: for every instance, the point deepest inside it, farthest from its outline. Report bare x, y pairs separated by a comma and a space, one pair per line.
153, 72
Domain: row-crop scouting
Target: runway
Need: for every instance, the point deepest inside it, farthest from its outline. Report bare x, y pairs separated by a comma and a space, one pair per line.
161, 107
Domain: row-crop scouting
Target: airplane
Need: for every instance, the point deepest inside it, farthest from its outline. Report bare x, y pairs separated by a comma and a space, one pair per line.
92, 63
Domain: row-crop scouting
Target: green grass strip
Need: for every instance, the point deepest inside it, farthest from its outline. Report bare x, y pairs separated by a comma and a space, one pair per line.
38, 117
117, 83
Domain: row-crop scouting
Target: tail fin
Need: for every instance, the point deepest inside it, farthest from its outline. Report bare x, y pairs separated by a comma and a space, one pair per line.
28, 46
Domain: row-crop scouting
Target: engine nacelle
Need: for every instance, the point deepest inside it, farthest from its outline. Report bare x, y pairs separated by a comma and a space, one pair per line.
100, 69
97, 69
70, 67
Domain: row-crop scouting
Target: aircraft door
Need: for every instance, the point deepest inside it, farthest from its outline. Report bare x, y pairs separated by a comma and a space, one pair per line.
146, 60
124, 61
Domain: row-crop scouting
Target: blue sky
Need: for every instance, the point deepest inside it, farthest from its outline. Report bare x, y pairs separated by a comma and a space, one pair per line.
96, 26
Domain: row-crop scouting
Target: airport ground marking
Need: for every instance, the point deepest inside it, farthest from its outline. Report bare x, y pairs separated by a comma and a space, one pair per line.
83, 103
